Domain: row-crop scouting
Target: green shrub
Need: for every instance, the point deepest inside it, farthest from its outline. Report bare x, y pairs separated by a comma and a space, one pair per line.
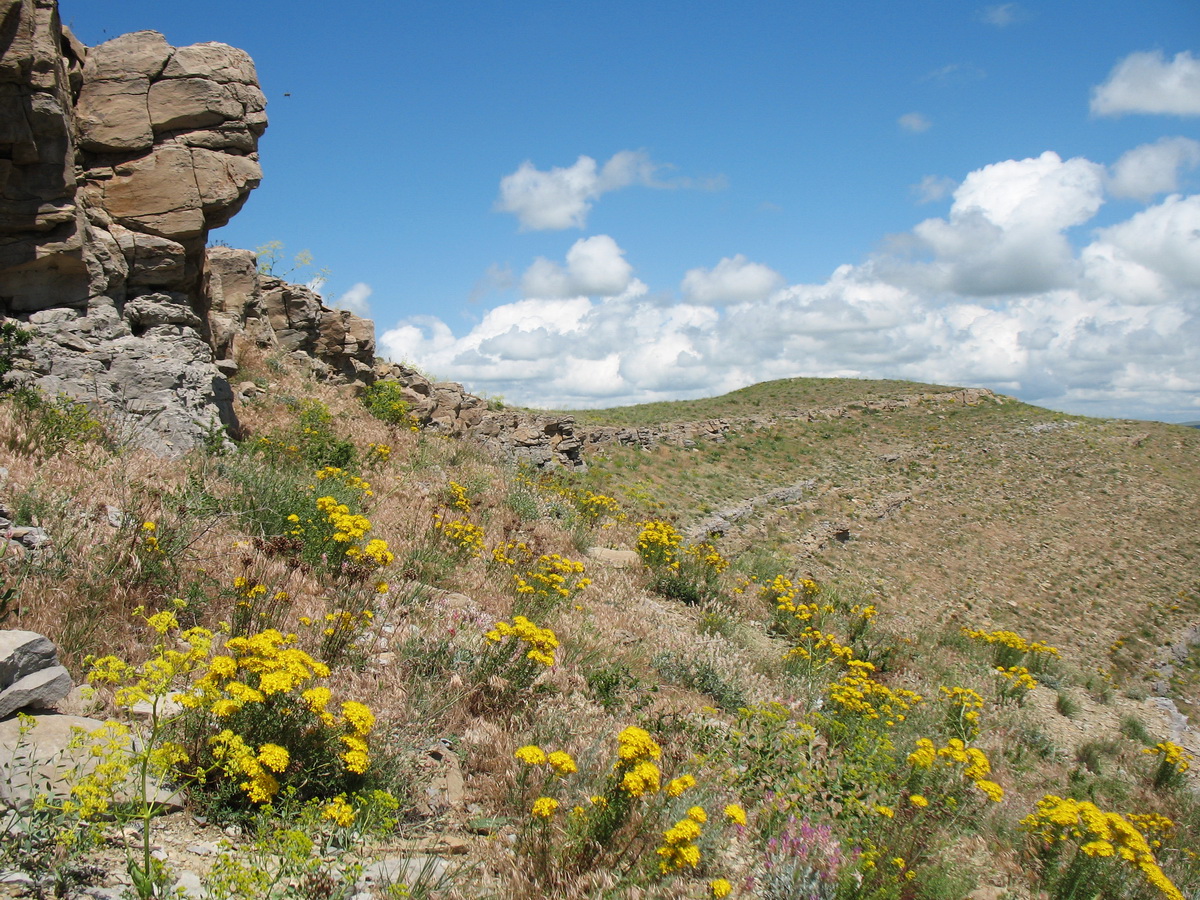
1066, 705
311, 442
12, 338
700, 675
52, 426
385, 401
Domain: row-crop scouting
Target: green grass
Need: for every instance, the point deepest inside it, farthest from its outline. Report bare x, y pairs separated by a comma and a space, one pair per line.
769, 397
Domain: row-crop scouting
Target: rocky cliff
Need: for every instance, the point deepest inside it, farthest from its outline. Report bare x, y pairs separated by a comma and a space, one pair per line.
115, 163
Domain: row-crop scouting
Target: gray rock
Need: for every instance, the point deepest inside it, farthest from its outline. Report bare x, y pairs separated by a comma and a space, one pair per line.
23, 653
37, 690
190, 883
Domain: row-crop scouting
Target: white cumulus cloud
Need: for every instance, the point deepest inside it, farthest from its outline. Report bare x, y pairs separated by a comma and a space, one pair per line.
932, 188
993, 294
356, 299
1164, 239
595, 266
734, 279
1153, 169
561, 198
1147, 83
1004, 234
1002, 14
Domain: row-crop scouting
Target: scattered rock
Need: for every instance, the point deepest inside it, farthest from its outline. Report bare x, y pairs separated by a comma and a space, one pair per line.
614, 559
22, 653
37, 690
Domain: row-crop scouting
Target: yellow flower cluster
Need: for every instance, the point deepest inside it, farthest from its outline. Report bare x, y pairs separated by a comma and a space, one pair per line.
797, 599
280, 446
255, 670
268, 663
1172, 755
658, 545
974, 763
378, 453
348, 527
342, 621
91, 796
339, 811
374, 553
679, 850
348, 479
1154, 826
636, 770
465, 535
706, 554
149, 539
1011, 640
542, 642
458, 497
154, 678
553, 577
1099, 834
544, 808
858, 694
963, 706
259, 768
821, 648
735, 815
559, 761
1020, 680
361, 720
510, 553
594, 507
676, 786
247, 589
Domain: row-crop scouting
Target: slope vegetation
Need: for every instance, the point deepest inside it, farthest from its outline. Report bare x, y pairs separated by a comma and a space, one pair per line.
923, 658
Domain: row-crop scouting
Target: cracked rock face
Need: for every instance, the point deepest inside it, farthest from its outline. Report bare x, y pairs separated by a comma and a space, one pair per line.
115, 163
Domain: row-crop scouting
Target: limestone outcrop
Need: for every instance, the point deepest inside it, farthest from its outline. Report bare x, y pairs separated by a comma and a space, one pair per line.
115, 163
246, 307
540, 440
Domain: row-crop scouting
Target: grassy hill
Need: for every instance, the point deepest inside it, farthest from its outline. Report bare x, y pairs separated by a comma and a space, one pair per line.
805, 705
1085, 526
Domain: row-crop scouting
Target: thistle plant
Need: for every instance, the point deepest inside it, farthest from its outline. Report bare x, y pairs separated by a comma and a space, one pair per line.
802, 860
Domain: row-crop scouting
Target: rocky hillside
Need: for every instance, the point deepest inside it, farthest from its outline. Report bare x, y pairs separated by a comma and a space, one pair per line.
281, 620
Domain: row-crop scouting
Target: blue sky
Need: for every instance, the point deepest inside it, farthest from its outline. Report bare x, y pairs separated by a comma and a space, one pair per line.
585, 204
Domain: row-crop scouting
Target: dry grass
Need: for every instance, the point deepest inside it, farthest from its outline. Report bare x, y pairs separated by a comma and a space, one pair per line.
955, 519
